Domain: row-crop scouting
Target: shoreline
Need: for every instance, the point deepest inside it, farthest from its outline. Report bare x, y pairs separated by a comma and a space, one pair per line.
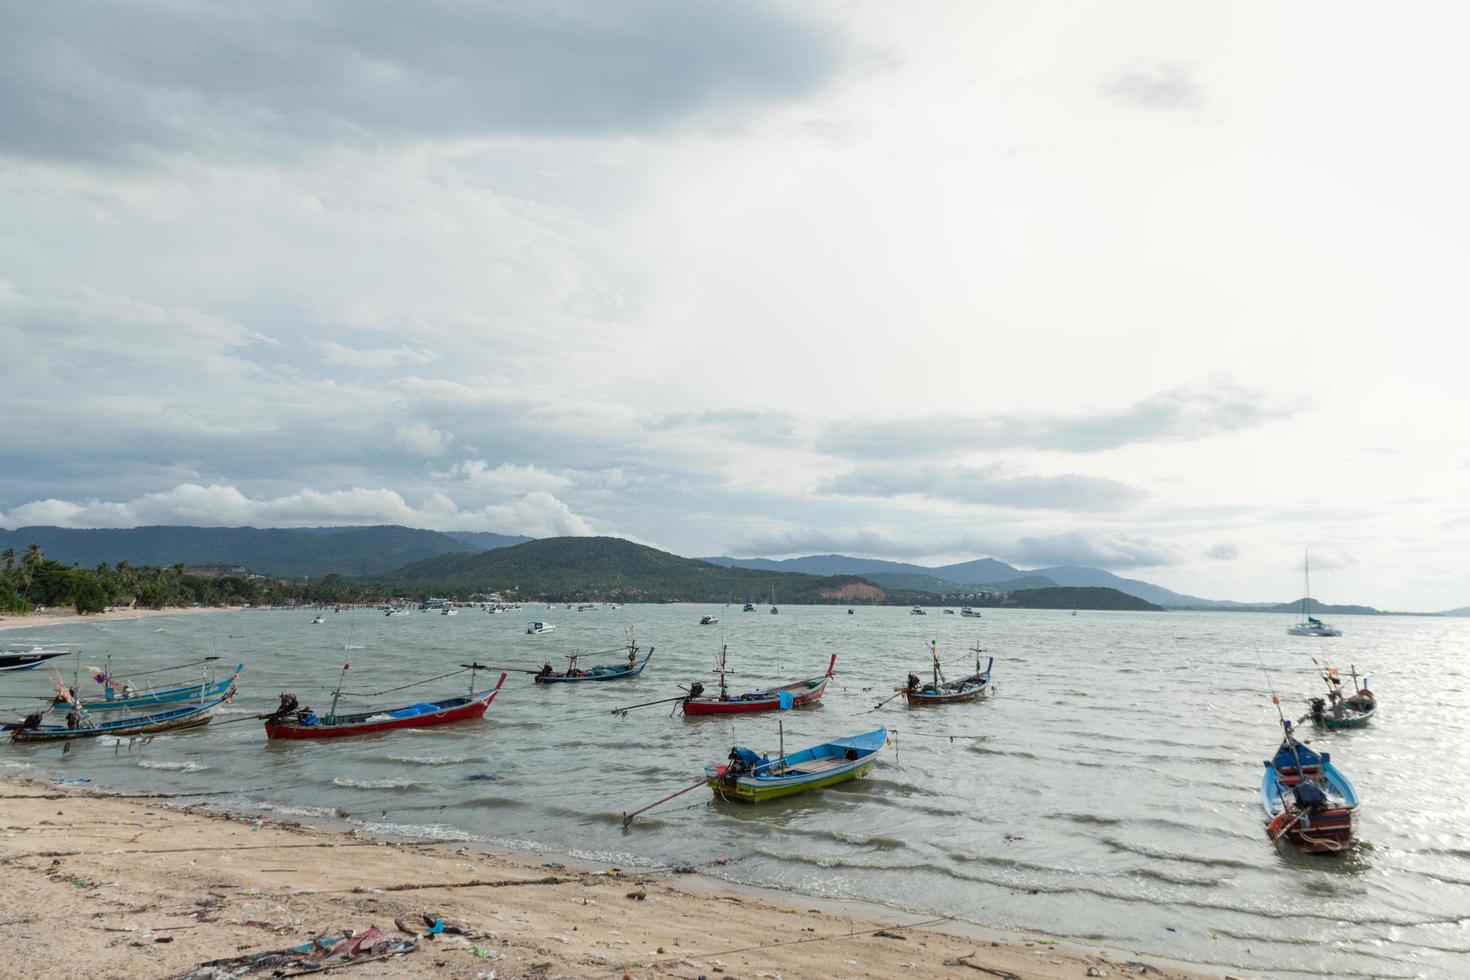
72, 618
95, 858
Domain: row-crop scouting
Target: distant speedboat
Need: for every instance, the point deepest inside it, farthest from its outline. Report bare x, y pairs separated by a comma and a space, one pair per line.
749, 607
708, 620
537, 628
917, 611
967, 611
319, 620
449, 611
949, 612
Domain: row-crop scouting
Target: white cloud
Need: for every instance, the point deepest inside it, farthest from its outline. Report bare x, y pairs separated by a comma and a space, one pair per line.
420, 439
1224, 551
506, 478
377, 357
987, 485
536, 514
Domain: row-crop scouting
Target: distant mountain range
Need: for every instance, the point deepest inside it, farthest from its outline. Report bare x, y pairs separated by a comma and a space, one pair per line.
571, 569
284, 552
982, 572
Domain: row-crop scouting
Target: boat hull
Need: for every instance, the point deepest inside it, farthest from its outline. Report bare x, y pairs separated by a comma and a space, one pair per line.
1324, 832
758, 791
815, 768
26, 661
620, 675
919, 699
1328, 828
471, 709
166, 721
805, 692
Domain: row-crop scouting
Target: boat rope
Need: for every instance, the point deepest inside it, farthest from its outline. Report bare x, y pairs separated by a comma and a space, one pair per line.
159, 670
402, 687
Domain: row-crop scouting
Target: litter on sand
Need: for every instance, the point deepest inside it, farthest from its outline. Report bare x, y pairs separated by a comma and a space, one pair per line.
315, 956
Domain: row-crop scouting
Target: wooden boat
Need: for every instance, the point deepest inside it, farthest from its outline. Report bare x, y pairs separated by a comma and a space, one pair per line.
290, 721
1308, 801
941, 691
752, 778
136, 701
1335, 711
792, 695
603, 672
18, 657
79, 724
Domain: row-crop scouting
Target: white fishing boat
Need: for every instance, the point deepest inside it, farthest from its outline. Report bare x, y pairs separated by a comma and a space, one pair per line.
917, 611
449, 611
1310, 625
967, 611
708, 620
537, 628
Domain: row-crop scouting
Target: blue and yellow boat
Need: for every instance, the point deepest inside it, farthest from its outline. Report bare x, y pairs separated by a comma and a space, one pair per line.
752, 778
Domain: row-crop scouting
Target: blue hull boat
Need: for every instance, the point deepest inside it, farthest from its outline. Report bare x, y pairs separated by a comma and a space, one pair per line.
606, 672
1308, 801
752, 778
186, 716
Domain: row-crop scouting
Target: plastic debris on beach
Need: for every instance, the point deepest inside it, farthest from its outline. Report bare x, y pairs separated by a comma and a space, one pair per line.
317, 955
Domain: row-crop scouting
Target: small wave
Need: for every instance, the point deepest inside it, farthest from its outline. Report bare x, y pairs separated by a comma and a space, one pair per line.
173, 766
420, 831
430, 760
351, 783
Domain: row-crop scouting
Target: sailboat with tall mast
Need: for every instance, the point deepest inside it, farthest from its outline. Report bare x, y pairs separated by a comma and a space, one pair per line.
1310, 625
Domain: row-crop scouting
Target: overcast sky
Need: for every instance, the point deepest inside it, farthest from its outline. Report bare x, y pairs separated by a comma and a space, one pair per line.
1172, 289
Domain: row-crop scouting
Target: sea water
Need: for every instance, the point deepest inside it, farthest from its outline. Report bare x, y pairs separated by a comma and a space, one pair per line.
1107, 792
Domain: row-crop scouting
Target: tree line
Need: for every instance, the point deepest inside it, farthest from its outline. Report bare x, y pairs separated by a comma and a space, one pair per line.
32, 580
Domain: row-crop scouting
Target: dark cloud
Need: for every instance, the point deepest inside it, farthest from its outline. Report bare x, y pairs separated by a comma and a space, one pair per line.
95, 79
807, 541
1177, 415
1089, 548
1167, 86
989, 486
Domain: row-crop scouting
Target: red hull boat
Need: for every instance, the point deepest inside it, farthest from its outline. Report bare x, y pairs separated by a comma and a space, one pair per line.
801, 693
302, 724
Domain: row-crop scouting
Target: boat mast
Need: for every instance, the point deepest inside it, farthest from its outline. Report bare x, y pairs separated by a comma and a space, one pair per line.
722, 671
338, 692
1307, 580
934, 655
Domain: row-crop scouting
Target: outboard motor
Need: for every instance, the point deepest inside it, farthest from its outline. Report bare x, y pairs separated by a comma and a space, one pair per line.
1309, 796
913, 682
288, 706
696, 689
1319, 710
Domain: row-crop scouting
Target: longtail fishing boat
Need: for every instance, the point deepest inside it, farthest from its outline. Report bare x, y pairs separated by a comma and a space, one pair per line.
752, 778
126, 699
793, 695
15, 656
1335, 711
80, 724
603, 672
292, 721
1308, 801
941, 691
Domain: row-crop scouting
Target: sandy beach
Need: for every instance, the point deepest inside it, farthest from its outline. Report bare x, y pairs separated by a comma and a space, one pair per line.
135, 887
69, 617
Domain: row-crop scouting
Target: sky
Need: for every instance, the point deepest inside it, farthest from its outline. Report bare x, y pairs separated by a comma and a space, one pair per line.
1175, 290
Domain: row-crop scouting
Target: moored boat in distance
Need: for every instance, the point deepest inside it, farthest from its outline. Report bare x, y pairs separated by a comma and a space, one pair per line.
752, 778
967, 611
20, 656
537, 627
708, 620
1310, 625
787, 696
941, 691
749, 607
917, 611
1308, 801
292, 721
1335, 711
602, 672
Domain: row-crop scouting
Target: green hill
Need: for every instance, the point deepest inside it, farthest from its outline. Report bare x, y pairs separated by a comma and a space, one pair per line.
1078, 597
288, 552
568, 569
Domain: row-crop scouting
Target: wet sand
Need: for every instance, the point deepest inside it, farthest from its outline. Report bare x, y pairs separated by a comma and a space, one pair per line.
135, 887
